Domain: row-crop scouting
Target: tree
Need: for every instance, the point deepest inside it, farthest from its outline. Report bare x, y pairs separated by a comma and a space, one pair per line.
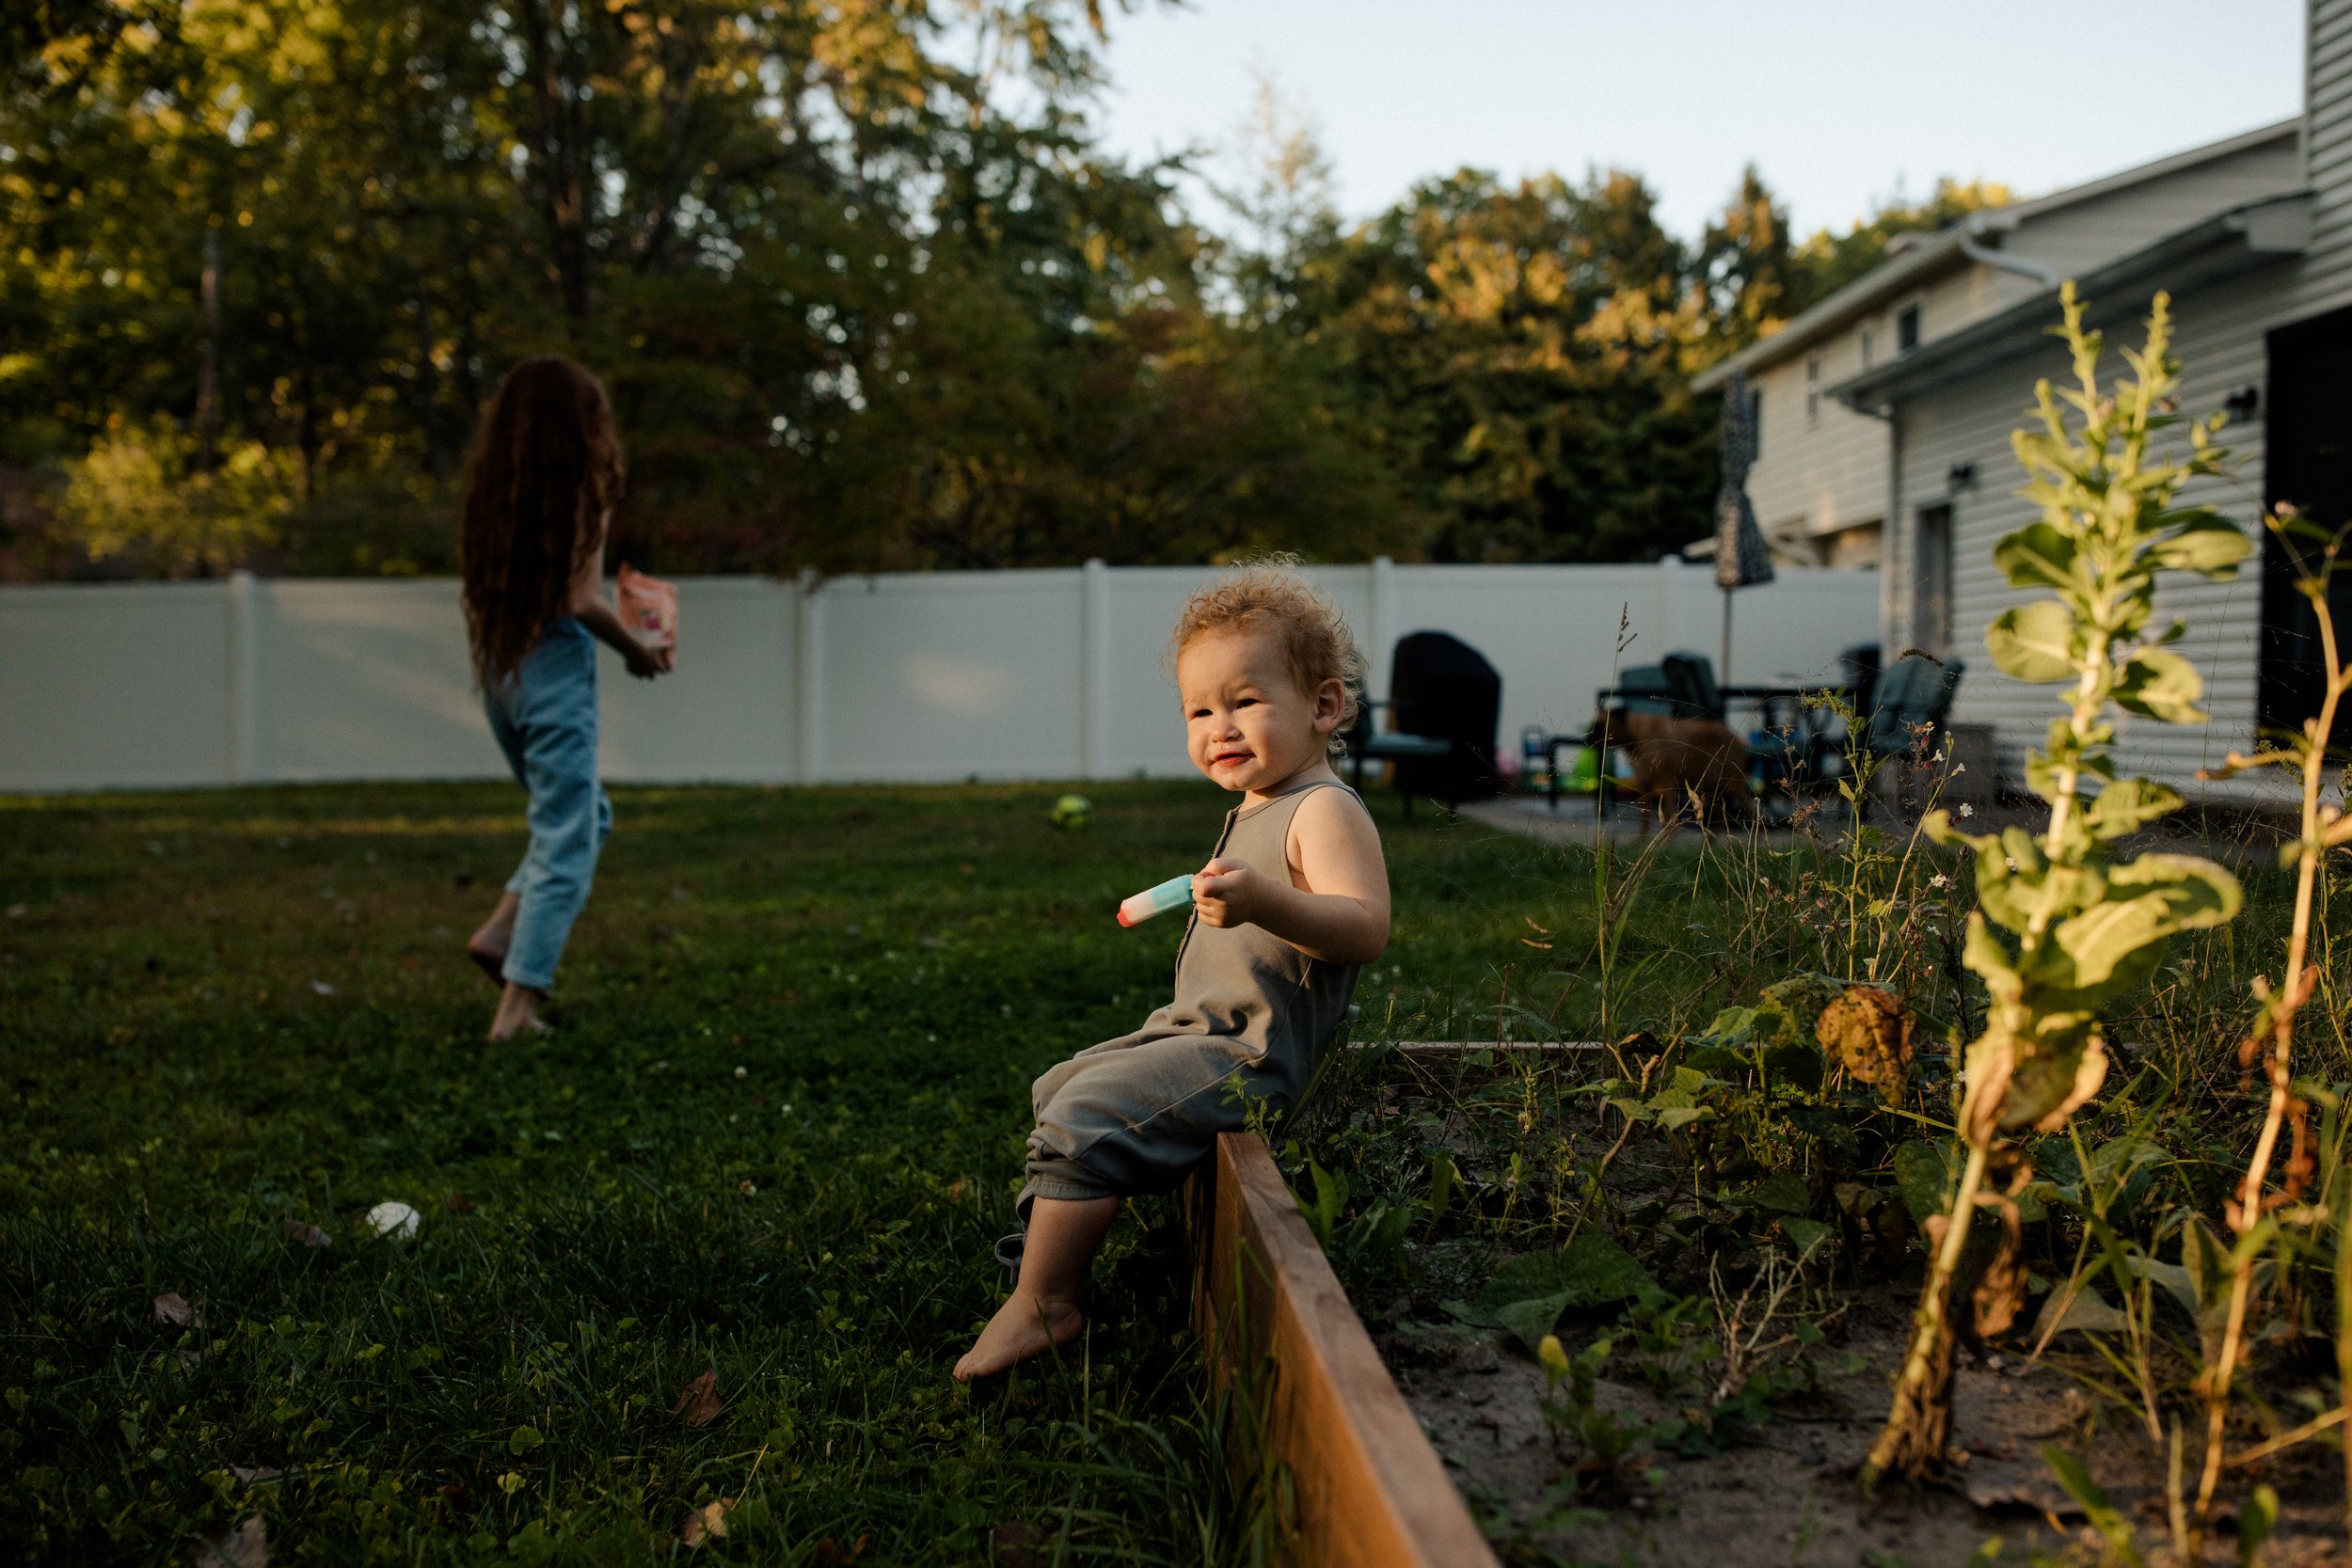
1826, 262
1521, 355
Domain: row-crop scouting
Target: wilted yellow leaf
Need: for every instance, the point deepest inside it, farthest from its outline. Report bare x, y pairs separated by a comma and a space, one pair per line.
706, 1523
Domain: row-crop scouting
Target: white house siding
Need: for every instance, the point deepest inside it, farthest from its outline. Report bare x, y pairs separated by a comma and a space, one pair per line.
2325, 278
2078, 236
1820, 474
1969, 420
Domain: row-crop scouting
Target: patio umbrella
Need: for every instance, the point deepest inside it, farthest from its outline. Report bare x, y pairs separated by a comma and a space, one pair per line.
1740, 557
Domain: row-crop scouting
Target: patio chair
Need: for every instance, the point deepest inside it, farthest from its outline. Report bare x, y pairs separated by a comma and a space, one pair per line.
1860, 666
1366, 743
1444, 704
1690, 678
1640, 687
1913, 701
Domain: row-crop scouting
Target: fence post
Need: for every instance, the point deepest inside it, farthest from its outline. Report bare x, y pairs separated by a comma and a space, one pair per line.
244, 679
808, 715
1381, 635
1661, 634
1094, 669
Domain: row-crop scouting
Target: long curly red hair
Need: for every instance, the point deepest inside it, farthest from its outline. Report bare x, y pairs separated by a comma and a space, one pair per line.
545, 469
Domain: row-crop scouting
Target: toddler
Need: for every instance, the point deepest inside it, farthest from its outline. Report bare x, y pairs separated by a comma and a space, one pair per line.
1292, 904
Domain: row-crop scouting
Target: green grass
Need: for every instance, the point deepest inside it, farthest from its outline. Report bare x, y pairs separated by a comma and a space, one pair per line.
775, 1135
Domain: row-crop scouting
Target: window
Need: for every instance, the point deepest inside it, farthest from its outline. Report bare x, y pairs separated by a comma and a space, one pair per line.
1932, 583
1906, 330
1813, 389
1756, 420
1869, 345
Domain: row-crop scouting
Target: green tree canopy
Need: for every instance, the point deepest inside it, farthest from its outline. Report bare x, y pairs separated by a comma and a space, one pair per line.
868, 291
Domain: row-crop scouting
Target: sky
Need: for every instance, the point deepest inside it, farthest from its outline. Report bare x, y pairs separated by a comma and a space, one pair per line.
1840, 103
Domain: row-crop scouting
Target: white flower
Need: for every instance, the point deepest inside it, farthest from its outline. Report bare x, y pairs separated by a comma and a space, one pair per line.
1965, 810
742, 1073
1939, 879
1959, 768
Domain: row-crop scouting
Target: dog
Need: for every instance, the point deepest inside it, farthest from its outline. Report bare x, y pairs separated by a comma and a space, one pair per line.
1680, 766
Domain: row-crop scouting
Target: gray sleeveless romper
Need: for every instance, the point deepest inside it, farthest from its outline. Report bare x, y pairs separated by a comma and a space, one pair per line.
1134, 1113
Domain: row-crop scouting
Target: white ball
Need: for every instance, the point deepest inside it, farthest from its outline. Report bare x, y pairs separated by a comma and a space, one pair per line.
396, 1220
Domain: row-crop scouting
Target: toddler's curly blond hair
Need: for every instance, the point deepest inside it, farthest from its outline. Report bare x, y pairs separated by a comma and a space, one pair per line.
1269, 591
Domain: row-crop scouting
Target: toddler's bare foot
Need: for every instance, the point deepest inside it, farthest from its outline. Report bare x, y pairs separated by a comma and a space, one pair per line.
518, 1010
1025, 1326
488, 946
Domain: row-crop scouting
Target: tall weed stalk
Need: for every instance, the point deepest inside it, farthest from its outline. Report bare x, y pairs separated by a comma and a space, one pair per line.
2322, 826
2078, 930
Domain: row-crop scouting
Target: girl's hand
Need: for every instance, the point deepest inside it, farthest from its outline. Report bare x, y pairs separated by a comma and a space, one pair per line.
1228, 893
645, 663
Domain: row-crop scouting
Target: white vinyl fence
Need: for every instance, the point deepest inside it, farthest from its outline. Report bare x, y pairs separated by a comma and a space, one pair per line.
1001, 676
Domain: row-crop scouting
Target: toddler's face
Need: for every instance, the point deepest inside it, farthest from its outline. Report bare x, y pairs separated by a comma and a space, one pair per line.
1246, 724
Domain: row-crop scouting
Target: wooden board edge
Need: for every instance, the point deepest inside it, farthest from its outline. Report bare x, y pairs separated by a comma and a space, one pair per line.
1372, 1492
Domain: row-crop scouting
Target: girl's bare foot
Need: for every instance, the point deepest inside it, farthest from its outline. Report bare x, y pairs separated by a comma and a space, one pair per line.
518, 1010
1025, 1326
488, 946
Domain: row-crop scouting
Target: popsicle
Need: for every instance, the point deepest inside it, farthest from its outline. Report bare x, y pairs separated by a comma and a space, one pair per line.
1174, 893
648, 606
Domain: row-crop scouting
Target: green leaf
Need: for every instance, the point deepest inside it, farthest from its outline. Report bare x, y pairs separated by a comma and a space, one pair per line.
2127, 805
1717, 1061
2037, 556
2160, 684
2084, 1312
1730, 1028
2116, 1161
1592, 1271
1531, 1321
1783, 1192
2174, 1280
2205, 1261
1923, 1174
2182, 894
2033, 642
523, 1440
1808, 1234
2105, 1516
2207, 544
1991, 962
2256, 1518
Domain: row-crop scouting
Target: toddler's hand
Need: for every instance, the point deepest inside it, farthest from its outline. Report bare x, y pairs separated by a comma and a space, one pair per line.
645, 663
1228, 893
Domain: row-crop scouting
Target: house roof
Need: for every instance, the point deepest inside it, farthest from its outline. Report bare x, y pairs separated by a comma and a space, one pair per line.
2223, 245
1945, 246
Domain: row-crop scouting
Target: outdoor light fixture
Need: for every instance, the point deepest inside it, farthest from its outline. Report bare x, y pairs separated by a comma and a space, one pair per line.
2243, 403
1959, 476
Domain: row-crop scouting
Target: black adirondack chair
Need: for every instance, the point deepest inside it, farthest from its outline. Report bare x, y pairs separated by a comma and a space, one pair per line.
1444, 704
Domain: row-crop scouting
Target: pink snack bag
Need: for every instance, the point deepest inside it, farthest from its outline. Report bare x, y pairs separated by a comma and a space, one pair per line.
648, 606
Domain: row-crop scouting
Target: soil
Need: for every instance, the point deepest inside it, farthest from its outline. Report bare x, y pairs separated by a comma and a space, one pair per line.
1787, 1494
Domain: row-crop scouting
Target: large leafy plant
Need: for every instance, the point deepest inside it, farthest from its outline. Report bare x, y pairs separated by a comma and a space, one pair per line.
2063, 928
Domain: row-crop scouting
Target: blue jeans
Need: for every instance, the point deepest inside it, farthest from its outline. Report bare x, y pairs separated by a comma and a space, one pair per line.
544, 719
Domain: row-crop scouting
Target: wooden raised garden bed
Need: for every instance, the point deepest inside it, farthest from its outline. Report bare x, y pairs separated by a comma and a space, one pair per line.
1370, 1490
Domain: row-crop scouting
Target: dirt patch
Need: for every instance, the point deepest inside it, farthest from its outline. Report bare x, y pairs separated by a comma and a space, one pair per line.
1784, 1491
